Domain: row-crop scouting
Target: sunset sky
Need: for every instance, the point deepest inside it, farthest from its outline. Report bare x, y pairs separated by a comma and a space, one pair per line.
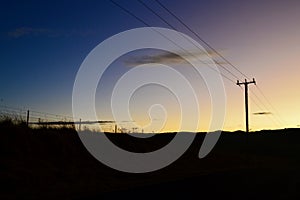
43, 44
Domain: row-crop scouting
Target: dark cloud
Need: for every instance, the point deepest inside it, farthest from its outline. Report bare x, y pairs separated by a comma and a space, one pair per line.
262, 113
29, 31
167, 57
19, 32
159, 58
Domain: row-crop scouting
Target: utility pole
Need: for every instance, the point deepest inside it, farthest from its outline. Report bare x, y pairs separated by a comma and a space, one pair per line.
246, 83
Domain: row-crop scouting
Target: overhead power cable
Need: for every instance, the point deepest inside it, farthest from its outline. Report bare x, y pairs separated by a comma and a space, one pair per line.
200, 38
145, 23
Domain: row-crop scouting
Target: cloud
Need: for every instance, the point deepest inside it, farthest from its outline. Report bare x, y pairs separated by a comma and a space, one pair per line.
29, 31
19, 32
168, 57
262, 113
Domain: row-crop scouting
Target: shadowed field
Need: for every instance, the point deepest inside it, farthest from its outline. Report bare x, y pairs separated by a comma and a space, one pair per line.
52, 163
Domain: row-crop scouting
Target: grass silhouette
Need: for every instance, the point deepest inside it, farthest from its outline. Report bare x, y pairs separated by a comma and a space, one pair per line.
51, 162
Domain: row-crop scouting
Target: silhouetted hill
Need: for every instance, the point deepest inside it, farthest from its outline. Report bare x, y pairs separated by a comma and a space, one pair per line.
52, 163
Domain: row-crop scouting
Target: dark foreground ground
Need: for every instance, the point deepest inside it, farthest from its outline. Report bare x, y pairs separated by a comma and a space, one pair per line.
53, 164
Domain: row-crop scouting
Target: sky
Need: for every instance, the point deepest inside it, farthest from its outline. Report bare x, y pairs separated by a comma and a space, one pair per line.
43, 45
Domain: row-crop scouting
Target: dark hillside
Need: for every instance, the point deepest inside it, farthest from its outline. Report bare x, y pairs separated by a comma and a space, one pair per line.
53, 163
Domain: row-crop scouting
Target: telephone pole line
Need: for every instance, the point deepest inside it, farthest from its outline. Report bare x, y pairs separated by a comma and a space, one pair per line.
246, 83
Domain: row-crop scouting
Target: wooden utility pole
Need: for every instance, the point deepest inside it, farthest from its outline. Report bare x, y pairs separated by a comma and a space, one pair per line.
246, 83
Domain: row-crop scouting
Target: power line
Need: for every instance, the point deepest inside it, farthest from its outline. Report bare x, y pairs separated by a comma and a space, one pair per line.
271, 119
274, 118
254, 101
171, 26
145, 23
266, 107
267, 100
246, 88
200, 38
247, 128
128, 12
156, 14
275, 122
213, 49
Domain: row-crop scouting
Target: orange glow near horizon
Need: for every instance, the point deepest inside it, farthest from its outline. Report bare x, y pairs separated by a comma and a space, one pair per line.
262, 39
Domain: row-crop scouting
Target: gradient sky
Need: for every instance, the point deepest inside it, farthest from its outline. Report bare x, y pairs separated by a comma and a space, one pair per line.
44, 43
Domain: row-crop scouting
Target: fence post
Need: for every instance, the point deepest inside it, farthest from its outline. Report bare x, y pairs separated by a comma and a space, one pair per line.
79, 125
27, 121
